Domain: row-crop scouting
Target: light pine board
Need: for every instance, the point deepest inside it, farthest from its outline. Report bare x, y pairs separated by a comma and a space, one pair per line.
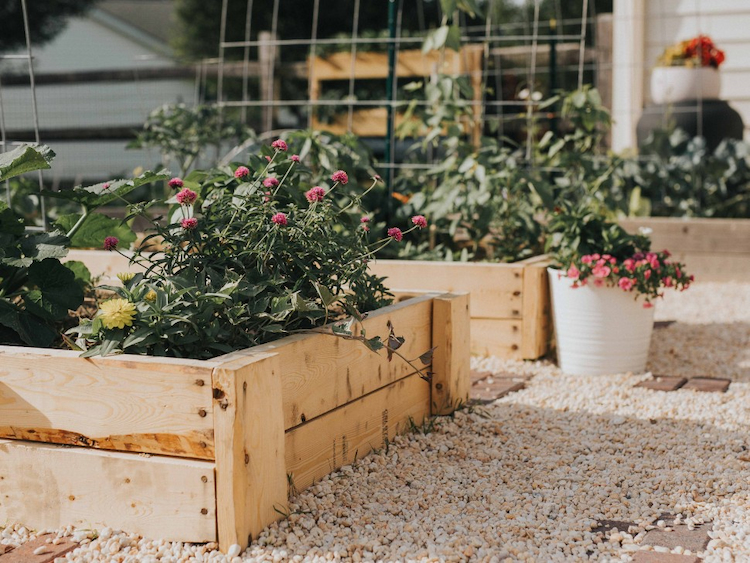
496, 289
348, 433
251, 485
451, 336
321, 372
48, 486
120, 403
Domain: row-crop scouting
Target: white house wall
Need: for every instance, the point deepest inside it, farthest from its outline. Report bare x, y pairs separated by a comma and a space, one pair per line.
665, 22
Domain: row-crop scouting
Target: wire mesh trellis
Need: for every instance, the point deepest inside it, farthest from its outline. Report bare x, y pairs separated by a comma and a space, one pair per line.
531, 35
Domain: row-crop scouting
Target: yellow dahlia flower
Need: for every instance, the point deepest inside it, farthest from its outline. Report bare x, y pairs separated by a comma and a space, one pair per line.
125, 277
150, 296
117, 313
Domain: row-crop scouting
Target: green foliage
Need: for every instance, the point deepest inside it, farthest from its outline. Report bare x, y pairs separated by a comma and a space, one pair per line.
578, 229
246, 263
46, 20
36, 290
677, 176
185, 133
23, 159
483, 202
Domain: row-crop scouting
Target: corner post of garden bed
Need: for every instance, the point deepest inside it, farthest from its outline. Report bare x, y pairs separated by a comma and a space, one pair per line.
451, 361
536, 313
251, 483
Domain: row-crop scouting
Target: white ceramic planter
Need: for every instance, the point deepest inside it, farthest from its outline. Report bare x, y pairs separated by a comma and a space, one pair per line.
671, 84
599, 330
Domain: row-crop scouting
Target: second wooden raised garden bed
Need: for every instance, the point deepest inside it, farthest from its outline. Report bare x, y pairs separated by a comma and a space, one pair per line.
204, 451
510, 304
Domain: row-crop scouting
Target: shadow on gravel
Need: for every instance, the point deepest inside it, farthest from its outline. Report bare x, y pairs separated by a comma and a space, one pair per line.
713, 350
523, 482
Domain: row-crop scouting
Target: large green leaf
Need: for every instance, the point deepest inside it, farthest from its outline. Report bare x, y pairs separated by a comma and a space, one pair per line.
25, 158
95, 228
20, 326
80, 271
41, 246
97, 195
57, 290
10, 223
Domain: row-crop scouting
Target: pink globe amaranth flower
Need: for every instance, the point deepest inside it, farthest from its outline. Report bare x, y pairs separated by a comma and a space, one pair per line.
279, 219
295, 158
626, 284
365, 228
106, 186
189, 224
364, 219
419, 221
241, 172
573, 272
110, 243
267, 197
586, 259
396, 234
377, 178
270, 182
315, 194
186, 196
279, 145
175, 183
340, 176
601, 271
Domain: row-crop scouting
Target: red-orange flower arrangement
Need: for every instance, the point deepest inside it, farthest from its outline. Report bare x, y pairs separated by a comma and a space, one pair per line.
697, 52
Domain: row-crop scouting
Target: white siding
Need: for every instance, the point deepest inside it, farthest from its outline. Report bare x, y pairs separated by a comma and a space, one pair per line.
666, 22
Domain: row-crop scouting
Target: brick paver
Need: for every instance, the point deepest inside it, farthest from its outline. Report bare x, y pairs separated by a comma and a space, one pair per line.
663, 383
25, 553
695, 540
708, 384
654, 557
488, 392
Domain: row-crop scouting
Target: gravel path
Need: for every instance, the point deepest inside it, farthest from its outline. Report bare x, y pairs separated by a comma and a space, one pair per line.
528, 477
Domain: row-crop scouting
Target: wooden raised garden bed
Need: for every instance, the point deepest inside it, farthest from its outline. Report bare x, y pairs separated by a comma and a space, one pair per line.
712, 249
510, 304
203, 451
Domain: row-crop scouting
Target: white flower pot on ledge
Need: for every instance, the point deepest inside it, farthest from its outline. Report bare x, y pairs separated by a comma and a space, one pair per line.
671, 84
599, 330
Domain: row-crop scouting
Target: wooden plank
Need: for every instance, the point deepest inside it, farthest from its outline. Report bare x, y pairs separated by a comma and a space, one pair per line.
46, 486
346, 434
125, 403
251, 484
496, 289
321, 372
714, 267
451, 364
104, 263
537, 312
724, 236
369, 65
497, 337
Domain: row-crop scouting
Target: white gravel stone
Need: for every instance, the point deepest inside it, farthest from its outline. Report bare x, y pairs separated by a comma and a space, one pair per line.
528, 477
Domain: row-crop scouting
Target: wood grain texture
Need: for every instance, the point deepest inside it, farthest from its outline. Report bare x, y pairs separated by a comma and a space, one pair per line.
251, 483
497, 337
346, 434
322, 372
47, 486
496, 289
716, 250
451, 363
120, 403
537, 311
724, 236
